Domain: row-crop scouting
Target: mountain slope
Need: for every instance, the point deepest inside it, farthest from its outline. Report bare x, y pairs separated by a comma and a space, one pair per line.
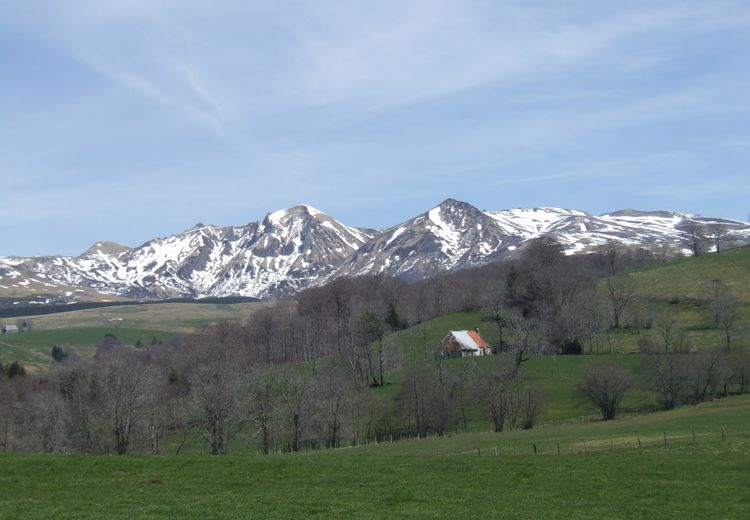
452, 235
298, 247
288, 250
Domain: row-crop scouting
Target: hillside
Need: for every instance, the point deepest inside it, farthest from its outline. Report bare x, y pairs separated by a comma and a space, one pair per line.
685, 278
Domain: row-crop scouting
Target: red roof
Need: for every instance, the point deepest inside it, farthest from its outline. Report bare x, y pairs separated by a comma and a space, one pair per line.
479, 339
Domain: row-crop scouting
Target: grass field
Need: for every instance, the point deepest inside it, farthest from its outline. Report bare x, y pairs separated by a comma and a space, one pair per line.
690, 462
33, 347
694, 476
85, 329
173, 317
556, 376
685, 278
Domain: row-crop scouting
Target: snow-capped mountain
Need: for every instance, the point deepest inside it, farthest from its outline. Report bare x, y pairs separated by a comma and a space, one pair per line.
453, 235
288, 250
456, 235
298, 247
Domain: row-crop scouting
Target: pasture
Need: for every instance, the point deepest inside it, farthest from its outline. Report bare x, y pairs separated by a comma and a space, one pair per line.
699, 473
83, 330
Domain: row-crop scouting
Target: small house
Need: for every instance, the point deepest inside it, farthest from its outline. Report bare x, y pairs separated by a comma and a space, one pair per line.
463, 343
8, 329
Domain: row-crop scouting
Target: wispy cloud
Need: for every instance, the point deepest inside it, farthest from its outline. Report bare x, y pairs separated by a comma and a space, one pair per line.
234, 108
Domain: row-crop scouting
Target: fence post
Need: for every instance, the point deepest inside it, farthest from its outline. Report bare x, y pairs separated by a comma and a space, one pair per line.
722, 433
584, 446
611, 444
534, 446
665, 439
639, 440
479, 452
495, 451
558, 448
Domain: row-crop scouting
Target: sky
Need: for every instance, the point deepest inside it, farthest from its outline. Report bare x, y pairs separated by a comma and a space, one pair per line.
126, 120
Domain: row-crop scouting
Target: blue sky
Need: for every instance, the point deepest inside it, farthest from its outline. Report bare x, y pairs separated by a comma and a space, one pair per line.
127, 120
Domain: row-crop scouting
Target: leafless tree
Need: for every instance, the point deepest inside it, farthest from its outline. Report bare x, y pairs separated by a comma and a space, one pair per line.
620, 289
492, 391
674, 338
720, 235
608, 257
703, 373
604, 385
82, 393
739, 359
666, 374
46, 410
297, 405
495, 306
332, 396
526, 340
523, 404
263, 402
217, 408
725, 310
694, 233
123, 397
414, 400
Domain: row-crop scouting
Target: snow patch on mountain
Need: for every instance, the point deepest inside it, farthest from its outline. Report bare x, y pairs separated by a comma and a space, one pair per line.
301, 246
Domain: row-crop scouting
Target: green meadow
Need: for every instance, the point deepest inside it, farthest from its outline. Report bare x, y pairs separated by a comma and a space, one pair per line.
33, 347
599, 472
691, 462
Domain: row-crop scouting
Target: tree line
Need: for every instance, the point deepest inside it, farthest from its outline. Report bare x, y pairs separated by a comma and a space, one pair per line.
298, 374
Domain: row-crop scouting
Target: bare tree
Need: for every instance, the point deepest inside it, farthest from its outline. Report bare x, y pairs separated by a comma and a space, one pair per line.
262, 401
494, 304
674, 338
725, 311
371, 328
46, 411
665, 373
493, 388
81, 393
604, 385
703, 373
720, 235
694, 235
608, 257
526, 340
332, 396
123, 396
620, 289
215, 390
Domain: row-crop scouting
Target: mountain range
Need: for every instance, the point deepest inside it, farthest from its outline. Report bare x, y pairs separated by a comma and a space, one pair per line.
300, 247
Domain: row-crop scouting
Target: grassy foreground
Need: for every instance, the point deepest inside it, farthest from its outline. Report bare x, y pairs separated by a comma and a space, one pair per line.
432, 478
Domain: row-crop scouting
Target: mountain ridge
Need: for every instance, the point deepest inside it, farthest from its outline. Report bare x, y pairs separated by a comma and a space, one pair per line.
301, 246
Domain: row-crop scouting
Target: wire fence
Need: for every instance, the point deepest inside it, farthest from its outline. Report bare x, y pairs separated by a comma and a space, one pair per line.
635, 441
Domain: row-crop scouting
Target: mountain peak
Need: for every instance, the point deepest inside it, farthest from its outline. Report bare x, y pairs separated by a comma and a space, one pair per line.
301, 246
107, 248
451, 202
300, 210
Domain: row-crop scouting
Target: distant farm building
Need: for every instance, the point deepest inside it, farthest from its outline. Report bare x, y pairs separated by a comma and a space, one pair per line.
7, 329
463, 343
